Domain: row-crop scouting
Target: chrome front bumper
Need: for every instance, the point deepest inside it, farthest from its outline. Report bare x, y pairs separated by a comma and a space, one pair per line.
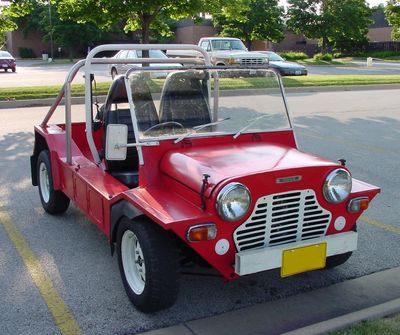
257, 260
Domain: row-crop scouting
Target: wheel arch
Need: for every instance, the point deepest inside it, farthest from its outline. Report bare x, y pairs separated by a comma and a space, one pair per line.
118, 211
40, 144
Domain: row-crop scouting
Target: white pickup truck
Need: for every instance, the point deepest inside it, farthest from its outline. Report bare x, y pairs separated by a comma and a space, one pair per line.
224, 51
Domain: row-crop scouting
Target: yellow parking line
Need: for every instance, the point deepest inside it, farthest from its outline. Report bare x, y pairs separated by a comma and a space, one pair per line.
382, 225
63, 317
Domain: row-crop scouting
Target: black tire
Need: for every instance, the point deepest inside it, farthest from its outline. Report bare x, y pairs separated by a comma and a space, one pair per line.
14, 69
53, 201
157, 258
114, 73
5, 70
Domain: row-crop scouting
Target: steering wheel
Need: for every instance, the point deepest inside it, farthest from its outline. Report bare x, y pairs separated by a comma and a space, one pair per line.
168, 123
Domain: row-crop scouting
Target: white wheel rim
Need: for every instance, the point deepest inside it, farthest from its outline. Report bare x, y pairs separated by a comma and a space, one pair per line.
44, 182
133, 262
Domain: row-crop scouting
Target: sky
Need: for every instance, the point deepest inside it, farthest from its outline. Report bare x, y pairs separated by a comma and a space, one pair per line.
371, 2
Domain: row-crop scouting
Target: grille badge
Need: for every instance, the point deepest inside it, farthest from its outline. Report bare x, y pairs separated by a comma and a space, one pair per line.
290, 179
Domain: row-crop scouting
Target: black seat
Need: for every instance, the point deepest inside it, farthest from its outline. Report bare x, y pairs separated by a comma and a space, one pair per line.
184, 99
126, 171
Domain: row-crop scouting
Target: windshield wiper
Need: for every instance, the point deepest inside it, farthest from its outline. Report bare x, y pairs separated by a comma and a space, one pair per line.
250, 124
197, 128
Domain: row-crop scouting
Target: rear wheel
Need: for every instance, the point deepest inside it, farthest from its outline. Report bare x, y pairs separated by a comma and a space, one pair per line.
5, 70
53, 201
14, 69
148, 263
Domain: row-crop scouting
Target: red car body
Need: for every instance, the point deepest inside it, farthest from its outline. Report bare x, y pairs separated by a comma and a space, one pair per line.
7, 62
179, 186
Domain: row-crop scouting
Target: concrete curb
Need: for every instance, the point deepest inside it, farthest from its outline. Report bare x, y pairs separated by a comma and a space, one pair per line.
316, 312
309, 89
347, 320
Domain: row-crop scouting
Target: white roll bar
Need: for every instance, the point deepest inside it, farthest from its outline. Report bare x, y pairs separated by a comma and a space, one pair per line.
88, 62
115, 47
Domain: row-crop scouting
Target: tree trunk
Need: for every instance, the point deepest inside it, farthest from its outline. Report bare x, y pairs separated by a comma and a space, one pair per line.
146, 20
324, 45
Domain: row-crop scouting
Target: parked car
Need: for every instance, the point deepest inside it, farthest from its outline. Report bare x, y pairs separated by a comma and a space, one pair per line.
116, 69
224, 51
7, 61
179, 171
283, 66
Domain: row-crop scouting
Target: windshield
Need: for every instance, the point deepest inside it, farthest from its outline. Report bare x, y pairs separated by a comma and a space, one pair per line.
272, 56
228, 45
5, 54
188, 103
152, 54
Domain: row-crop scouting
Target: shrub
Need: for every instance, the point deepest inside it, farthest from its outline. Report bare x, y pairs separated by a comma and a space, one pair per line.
325, 57
293, 55
377, 54
338, 55
26, 53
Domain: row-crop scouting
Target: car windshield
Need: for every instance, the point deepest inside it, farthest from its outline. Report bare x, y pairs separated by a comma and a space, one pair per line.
188, 103
228, 45
152, 54
274, 57
5, 54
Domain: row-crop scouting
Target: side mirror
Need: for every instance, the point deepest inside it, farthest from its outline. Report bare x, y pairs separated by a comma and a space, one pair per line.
116, 142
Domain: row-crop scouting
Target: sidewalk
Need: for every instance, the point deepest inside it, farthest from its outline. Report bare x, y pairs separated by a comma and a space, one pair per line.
316, 312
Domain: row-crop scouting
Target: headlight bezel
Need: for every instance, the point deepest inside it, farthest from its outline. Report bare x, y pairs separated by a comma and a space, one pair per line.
328, 189
223, 195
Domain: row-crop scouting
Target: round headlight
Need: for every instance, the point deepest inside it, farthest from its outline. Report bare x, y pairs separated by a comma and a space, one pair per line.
233, 202
337, 186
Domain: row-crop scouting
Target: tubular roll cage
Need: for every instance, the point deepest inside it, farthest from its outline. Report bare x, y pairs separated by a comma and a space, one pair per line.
87, 63
65, 91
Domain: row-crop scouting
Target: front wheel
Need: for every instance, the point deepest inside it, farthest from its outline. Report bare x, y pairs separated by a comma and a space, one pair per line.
148, 263
53, 201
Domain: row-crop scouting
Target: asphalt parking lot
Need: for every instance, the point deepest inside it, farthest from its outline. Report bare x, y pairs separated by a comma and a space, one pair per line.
362, 127
35, 73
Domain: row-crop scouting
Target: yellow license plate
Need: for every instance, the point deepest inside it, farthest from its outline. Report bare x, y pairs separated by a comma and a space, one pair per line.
302, 259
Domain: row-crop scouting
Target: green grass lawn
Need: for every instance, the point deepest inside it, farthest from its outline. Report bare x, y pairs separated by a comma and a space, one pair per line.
385, 326
337, 62
36, 92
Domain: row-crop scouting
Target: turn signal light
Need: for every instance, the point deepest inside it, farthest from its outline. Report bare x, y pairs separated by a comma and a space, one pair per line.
358, 204
203, 232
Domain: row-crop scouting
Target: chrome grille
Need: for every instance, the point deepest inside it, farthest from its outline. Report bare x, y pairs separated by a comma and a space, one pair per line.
283, 218
252, 61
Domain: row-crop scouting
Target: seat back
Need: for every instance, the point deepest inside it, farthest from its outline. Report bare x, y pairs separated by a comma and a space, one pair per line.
184, 99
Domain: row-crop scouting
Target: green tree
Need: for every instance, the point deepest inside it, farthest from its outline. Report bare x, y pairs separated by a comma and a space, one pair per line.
251, 20
140, 15
11, 12
67, 34
392, 11
340, 24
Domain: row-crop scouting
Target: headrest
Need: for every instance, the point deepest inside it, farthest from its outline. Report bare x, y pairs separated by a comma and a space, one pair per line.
117, 93
184, 81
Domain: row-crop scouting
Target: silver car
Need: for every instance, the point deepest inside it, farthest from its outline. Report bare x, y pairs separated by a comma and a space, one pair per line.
116, 69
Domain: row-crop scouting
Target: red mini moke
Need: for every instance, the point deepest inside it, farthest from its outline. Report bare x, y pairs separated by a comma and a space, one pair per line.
196, 163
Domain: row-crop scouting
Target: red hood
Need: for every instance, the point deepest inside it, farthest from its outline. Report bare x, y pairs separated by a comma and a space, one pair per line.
222, 162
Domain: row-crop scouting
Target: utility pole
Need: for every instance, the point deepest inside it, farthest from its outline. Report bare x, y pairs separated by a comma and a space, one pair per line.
51, 33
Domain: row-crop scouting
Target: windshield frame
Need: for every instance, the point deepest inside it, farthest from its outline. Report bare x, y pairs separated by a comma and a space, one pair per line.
156, 139
230, 40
